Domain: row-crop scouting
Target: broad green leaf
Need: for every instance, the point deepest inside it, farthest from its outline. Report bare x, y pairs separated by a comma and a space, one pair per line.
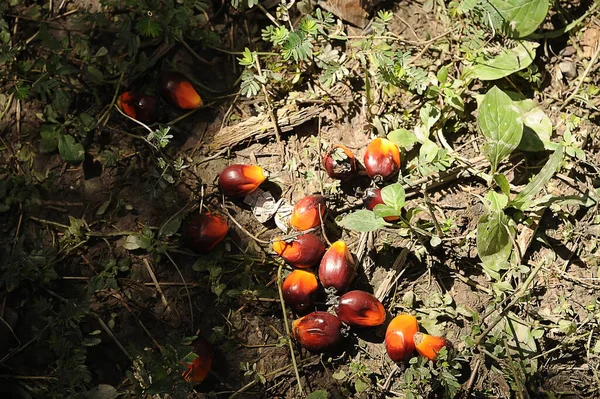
537, 128
171, 226
363, 221
383, 211
428, 151
320, 394
517, 18
49, 141
394, 196
502, 182
403, 138
496, 201
524, 199
102, 391
136, 241
501, 123
493, 242
70, 151
506, 63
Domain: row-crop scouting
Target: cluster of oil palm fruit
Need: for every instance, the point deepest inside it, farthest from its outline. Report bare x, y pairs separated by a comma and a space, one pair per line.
174, 88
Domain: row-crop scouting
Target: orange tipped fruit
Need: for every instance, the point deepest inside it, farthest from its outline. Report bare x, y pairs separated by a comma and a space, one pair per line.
373, 198
382, 159
318, 331
200, 366
139, 107
361, 309
239, 180
337, 268
308, 212
204, 232
300, 290
399, 341
178, 91
339, 163
429, 345
303, 252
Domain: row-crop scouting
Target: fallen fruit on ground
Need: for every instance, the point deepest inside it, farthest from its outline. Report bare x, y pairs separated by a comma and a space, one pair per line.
373, 198
200, 366
361, 309
139, 107
399, 336
337, 268
303, 251
382, 159
318, 331
339, 163
429, 345
300, 290
205, 231
308, 212
239, 180
178, 91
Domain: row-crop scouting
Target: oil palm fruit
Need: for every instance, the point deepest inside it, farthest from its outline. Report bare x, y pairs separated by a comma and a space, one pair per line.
300, 290
200, 366
139, 107
429, 345
399, 341
337, 268
339, 163
360, 309
240, 180
382, 159
307, 212
205, 231
178, 91
318, 331
373, 198
304, 251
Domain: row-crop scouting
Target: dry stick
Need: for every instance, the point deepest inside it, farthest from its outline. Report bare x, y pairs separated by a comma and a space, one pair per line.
287, 328
323, 227
8, 105
583, 77
187, 291
106, 116
270, 108
258, 240
160, 291
517, 297
474, 371
110, 333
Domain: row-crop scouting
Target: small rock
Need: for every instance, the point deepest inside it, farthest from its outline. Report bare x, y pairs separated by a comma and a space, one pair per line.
568, 69
568, 51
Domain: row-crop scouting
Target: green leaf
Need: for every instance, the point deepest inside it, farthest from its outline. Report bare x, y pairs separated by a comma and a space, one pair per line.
171, 226
49, 141
96, 76
383, 211
394, 196
507, 62
403, 138
320, 394
493, 242
496, 201
524, 199
360, 386
537, 128
136, 241
363, 221
70, 151
500, 122
146, 26
517, 18
502, 182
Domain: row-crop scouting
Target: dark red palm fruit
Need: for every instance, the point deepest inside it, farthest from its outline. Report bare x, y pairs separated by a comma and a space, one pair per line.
339, 163
204, 232
178, 91
373, 198
318, 331
308, 212
200, 366
382, 159
429, 346
360, 309
239, 180
139, 107
304, 251
399, 335
337, 268
300, 290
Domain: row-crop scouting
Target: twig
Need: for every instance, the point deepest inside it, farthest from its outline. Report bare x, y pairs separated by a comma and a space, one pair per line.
583, 77
8, 104
187, 291
160, 291
110, 333
258, 240
106, 116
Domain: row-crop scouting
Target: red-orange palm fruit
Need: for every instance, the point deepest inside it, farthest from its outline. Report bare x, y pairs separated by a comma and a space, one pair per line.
373, 198
318, 331
382, 159
303, 252
300, 290
178, 91
337, 268
205, 231
399, 341
429, 345
360, 309
139, 107
339, 163
200, 366
239, 180
308, 212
